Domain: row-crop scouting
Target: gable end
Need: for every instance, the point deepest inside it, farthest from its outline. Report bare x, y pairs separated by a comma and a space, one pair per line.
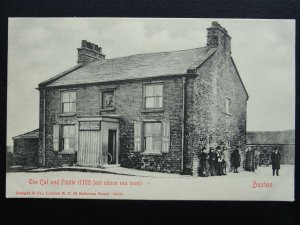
239, 77
52, 79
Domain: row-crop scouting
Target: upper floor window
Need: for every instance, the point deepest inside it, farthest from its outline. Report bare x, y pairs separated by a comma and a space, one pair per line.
228, 106
68, 101
153, 96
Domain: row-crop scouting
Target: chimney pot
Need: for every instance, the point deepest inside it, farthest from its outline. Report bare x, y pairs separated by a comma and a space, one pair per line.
215, 24
83, 43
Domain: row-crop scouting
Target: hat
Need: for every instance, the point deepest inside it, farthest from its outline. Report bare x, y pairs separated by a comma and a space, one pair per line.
214, 145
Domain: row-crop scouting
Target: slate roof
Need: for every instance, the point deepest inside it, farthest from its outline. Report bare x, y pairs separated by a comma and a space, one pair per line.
134, 67
271, 137
31, 134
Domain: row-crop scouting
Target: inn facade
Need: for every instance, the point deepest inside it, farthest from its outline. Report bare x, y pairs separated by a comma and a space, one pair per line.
150, 111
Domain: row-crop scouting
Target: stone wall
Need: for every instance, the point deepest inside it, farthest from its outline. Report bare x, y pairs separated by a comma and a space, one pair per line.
129, 105
218, 79
26, 152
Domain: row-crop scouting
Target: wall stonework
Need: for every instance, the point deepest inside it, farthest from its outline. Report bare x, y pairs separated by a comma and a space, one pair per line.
129, 106
26, 152
218, 79
41, 128
130, 103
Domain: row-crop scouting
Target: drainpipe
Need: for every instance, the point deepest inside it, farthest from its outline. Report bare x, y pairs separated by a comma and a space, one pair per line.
183, 120
44, 129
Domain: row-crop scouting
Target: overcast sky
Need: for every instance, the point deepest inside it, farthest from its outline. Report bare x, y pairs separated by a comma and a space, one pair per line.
263, 50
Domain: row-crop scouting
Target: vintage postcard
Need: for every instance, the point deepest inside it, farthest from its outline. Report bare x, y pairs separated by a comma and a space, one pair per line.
151, 109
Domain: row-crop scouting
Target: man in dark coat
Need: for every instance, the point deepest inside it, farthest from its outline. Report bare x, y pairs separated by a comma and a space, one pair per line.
275, 159
212, 161
235, 159
219, 161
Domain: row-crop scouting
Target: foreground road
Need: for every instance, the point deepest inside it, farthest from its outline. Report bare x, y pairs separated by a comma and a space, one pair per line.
258, 185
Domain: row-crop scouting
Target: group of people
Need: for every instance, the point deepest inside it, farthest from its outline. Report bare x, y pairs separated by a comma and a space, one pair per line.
214, 162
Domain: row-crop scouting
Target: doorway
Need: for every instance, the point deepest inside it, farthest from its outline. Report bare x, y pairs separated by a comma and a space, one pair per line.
111, 158
89, 148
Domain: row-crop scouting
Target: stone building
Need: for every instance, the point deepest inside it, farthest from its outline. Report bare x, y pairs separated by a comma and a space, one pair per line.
149, 111
26, 148
265, 142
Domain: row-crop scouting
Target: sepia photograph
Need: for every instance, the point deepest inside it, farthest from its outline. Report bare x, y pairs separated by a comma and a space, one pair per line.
151, 108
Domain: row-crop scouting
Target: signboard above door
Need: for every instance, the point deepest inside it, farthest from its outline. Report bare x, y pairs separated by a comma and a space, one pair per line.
89, 125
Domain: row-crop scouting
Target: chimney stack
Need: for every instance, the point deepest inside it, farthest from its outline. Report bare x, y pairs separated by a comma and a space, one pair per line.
217, 36
89, 52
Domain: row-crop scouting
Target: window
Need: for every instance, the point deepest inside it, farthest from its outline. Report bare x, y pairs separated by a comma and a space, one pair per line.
68, 137
228, 106
152, 137
68, 101
153, 96
108, 99
65, 138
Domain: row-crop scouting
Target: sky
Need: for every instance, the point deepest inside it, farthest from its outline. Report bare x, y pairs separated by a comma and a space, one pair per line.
263, 51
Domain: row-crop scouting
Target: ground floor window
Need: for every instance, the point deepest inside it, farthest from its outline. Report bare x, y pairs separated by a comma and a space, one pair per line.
152, 136
68, 137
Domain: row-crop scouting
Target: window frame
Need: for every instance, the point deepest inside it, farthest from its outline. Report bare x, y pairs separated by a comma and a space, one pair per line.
157, 151
69, 102
61, 139
144, 95
228, 107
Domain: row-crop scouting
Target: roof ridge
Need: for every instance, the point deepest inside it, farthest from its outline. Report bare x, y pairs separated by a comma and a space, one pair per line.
148, 53
178, 61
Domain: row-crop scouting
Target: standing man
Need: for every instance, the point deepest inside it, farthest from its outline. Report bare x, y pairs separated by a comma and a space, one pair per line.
212, 161
236, 158
219, 160
275, 159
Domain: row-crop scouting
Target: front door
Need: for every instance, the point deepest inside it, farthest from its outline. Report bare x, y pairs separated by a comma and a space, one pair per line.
111, 147
89, 147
